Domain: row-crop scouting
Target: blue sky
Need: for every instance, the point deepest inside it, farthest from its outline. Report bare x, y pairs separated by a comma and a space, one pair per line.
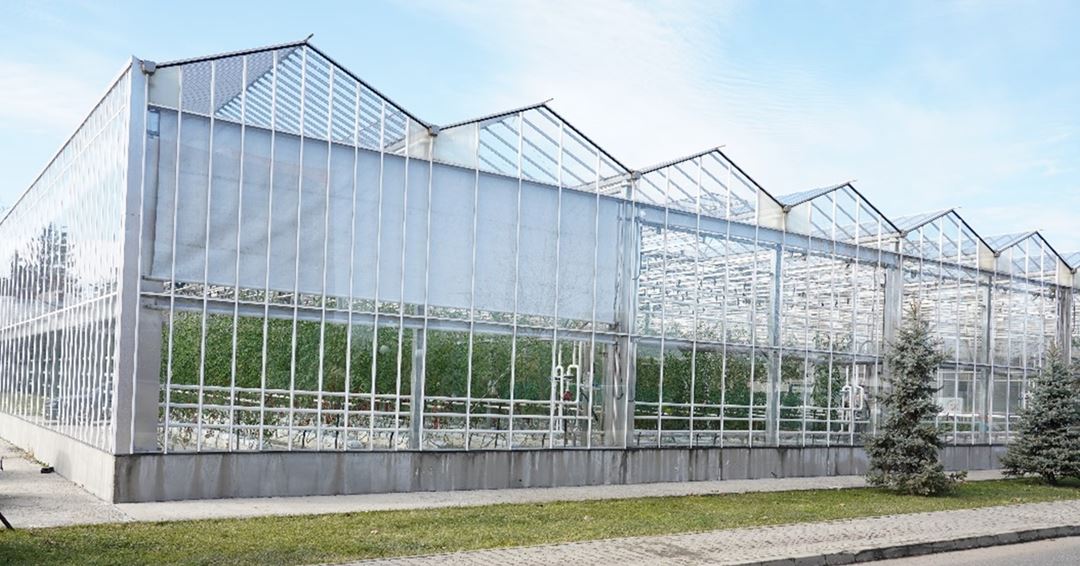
928, 105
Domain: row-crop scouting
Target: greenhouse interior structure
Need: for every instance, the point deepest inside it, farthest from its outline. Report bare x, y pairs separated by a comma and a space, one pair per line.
253, 274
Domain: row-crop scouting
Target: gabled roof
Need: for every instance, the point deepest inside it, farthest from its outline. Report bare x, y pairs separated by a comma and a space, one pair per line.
713, 150
288, 46
269, 85
792, 200
539, 146
544, 105
1003, 242
916, 221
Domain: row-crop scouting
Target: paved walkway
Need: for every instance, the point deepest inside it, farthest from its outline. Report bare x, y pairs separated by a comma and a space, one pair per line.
781, 543
31, 499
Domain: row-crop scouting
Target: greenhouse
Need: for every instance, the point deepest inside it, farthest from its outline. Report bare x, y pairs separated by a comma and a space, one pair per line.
254, 274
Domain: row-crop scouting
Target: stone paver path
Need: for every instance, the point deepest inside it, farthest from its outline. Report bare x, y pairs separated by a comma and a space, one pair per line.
739, 546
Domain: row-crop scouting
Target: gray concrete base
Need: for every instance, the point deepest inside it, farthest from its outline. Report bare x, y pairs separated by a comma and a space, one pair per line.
159, 477
213, 475
82, 464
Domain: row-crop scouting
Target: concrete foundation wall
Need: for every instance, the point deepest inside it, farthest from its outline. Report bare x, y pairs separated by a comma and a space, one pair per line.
81, 463
165, 477
157, 477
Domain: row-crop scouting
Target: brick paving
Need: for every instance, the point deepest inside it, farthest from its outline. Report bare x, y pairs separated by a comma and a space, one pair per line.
739, 546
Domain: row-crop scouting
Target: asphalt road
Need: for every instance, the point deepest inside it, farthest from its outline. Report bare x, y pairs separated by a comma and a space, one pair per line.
1055, 552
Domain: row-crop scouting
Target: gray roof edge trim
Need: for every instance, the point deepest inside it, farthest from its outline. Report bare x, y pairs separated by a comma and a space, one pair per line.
494, 115
237, 53
665, 164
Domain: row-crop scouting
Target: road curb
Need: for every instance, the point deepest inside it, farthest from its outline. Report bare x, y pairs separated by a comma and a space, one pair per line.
922, 548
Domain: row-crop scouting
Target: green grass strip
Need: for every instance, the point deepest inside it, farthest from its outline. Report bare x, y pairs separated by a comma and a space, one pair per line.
353, 536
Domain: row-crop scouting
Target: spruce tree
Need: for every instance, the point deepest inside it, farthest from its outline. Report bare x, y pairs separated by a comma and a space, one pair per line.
1046, 441
904, 452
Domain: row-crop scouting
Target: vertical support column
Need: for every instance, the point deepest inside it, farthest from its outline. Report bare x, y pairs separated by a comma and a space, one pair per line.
125, 358
1064, 320
416, 405
893, 311
620, 377
146, 394
772, 394
985, 357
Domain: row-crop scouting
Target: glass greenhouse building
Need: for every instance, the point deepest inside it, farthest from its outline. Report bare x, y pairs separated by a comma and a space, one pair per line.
254, 274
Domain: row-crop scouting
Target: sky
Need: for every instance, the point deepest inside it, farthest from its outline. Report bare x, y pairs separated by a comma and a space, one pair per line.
927, 105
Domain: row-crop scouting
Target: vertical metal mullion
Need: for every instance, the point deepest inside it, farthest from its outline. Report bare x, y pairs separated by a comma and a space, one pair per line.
172, 259
206, 267
86, 350
352, 266
296, 262
233, 436
419, 391
401, 295
269, 249
833, 323
555, 399
378, 276
139, 273
854, 326
319, 421
592, 325
470, 344
663, 311
753, 338
95, 400
697, 297
68, 324
726, 294
517, 274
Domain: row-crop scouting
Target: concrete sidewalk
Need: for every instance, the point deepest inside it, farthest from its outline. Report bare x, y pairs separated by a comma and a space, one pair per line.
31, 499
837, 542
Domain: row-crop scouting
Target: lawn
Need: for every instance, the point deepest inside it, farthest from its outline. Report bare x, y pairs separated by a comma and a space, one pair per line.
352, 536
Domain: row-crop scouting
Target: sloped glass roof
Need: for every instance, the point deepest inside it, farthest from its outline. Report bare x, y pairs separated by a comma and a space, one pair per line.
292, 88
797, 198
1027, 254
907, 223
941, 235
534, 142
708, 183
838, 212
1001, 242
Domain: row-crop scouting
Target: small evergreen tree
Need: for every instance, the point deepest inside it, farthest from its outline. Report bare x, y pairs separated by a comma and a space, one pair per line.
904, 452
1047, 438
